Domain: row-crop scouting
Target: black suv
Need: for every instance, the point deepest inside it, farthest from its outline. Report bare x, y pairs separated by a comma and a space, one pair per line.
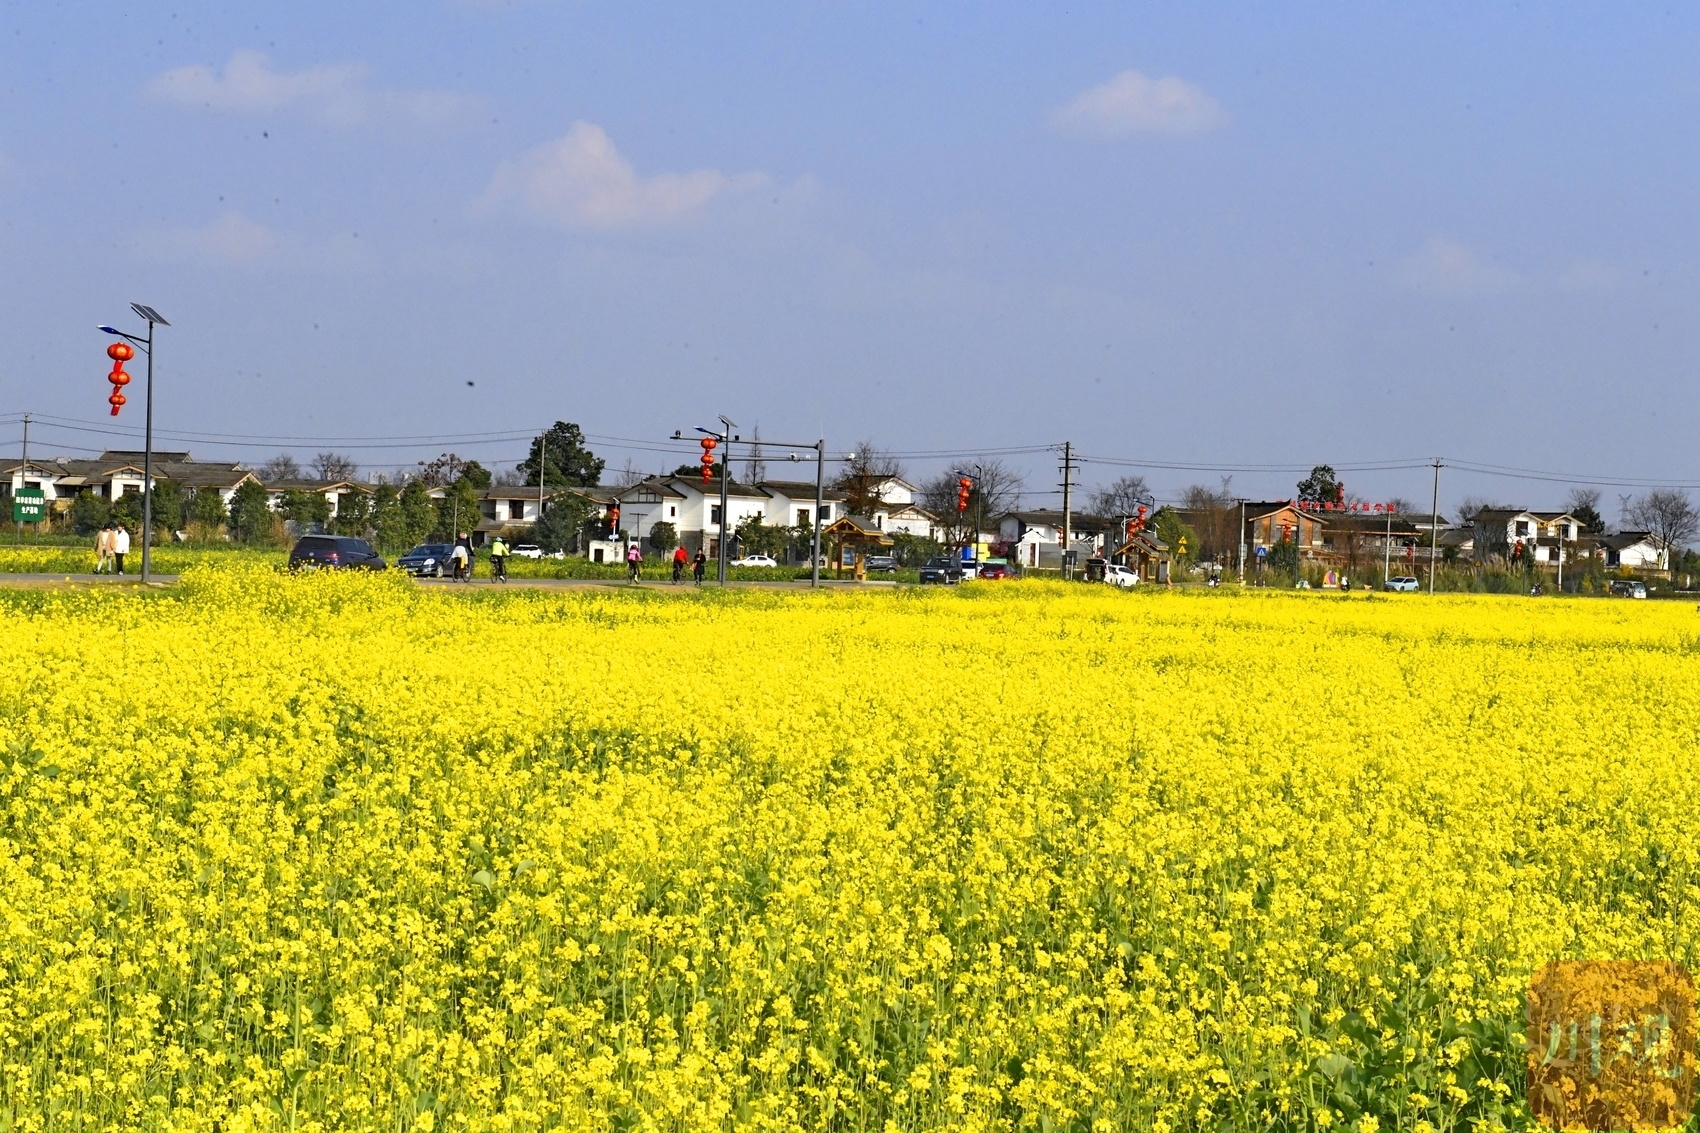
314, 552
941, 571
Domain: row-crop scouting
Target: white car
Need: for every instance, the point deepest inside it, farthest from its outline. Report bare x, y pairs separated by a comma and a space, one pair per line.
1121, 576
1402, 582
528, 551
755, 560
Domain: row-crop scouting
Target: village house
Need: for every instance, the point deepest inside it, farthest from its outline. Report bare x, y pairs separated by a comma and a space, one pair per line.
1501, 532
334, 491
116, 472
693, 508
1632, 550
1034, 537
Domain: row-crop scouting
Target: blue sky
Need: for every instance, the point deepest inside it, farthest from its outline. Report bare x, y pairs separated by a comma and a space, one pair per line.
1215, 235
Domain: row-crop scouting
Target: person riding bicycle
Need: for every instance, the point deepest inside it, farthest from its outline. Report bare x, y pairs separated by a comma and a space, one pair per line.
498, 559
634, 556
680, 558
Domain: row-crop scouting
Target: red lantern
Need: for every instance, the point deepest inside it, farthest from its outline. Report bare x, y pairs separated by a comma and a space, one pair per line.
120, 353
708, 446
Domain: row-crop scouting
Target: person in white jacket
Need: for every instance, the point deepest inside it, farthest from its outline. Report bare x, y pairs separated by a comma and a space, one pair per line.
120, 546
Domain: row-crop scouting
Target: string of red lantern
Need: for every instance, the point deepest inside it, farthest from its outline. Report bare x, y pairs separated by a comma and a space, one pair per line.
120, 353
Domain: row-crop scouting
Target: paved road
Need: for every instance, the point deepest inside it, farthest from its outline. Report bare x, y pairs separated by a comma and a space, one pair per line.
61, 581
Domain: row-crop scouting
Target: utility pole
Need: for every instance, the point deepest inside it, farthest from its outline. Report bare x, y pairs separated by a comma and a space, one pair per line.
23, 474
820, 494
542, 463
1242, 542
1387, 549
1434, 527
1068, 518
726, 438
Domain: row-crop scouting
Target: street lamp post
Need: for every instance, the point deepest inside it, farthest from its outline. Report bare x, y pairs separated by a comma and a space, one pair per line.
153, 319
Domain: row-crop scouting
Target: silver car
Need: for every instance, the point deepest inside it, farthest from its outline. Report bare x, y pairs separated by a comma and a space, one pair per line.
1402, 582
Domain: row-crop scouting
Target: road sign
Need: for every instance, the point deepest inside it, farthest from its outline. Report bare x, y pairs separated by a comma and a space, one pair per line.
29, 505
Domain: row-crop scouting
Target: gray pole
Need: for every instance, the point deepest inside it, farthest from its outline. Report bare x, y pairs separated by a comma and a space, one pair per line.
1387, 549
1434, 527
1242, 542
23, 474
725, 506
1068, 475
542, 463
820, 496
147, 468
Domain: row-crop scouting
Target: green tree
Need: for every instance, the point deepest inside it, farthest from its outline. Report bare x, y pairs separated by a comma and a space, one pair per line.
570, 463
127, 509
168, 499
382, 514
250, 513
417, 513
206, 507
457, 511
476, 474
663, 537
562, 519
89, 512
353, 514
1171, 529
756, 537
1321, 486
304, 508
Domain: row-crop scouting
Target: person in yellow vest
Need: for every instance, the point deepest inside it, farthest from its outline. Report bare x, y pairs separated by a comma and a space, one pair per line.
498, 559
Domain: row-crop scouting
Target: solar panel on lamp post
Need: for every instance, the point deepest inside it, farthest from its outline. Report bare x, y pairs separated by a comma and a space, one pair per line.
153, 318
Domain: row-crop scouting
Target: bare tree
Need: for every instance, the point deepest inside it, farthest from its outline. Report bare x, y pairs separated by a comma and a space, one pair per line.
997, 489
280, 467
1211, 513
866, 469
756, 466
1584, 504
1667, 514
628, 475
1469, 506
335, 466
1121, 497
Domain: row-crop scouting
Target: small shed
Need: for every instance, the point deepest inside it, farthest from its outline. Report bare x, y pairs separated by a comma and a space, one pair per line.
859, 536
1147, 555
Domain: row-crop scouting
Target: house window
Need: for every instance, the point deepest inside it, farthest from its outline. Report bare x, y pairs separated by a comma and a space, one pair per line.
672, 511
648, 497
1522, 527
714, 514
802, 517
516, 509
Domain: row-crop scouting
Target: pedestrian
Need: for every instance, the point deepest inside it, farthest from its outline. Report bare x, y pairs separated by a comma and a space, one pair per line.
103, 549
699, 566
634, 556
120, 546
679, 561
463, 550
498, 559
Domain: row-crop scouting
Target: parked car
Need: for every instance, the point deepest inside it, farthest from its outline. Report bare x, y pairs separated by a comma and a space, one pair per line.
996, 570
312, 552
528, 551
1628, 588
1121, 576
941, 571
755, 560
1402, 582
885, 563
426, 560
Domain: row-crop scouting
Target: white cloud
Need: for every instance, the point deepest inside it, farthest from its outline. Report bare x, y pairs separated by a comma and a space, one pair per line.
336, 92
230, 239
1446, 267
582, 181
1131, 103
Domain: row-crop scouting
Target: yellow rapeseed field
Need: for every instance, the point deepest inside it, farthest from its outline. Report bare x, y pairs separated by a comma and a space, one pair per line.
335, 852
